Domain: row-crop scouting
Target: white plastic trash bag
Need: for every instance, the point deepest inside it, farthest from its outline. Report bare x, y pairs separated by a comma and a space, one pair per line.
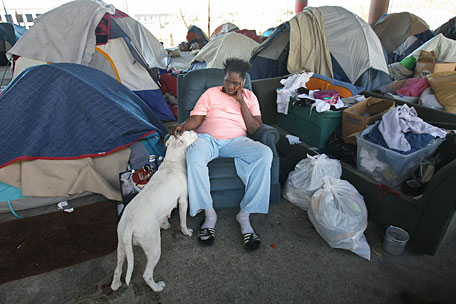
307, 177
339, 215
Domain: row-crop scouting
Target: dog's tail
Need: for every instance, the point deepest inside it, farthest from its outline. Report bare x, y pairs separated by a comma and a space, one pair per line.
128, 242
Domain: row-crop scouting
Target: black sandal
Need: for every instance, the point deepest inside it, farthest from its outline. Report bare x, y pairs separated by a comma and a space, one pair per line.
206, 236
251, 241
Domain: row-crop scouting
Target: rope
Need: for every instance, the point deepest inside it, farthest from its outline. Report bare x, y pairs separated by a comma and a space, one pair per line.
12, 210
382, 190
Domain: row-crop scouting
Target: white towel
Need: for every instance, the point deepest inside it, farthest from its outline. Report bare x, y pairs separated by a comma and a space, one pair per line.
290, 85
293, 140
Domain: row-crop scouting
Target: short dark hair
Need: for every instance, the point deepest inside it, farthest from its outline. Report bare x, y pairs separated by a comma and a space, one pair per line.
236, 65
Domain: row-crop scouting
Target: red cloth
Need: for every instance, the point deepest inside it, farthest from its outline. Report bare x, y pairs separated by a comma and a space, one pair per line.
102, 30
193, 36
251, 34
169, 84
413, 87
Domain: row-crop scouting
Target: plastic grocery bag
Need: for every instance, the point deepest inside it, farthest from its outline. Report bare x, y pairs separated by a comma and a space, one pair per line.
307, 177
339, 215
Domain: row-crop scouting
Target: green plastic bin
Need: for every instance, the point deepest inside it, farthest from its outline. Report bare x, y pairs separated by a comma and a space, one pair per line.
311, 127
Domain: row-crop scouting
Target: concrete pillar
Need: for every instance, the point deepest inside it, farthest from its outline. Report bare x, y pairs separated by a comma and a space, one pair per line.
377, 9
300, 5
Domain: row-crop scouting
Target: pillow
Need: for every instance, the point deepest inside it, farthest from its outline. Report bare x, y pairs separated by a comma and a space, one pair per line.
444, 84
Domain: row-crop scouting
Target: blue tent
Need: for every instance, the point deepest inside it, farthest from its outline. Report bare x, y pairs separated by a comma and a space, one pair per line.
448, 29
268, 32
195, 34
69, 111
271, 57
9, 34
19, 31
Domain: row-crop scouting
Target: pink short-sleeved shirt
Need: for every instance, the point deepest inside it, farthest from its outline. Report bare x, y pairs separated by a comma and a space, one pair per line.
223, 113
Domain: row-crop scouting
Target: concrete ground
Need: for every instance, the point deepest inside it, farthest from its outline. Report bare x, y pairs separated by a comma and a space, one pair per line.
293, 265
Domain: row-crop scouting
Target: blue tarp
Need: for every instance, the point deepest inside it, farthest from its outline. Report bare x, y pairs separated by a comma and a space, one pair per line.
67, 111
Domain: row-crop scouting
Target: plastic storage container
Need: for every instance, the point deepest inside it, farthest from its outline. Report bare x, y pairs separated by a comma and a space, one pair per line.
387, 166
312, 127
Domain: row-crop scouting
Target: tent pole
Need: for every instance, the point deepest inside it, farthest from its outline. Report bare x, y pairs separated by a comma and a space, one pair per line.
209, 18
377, 9
6, 14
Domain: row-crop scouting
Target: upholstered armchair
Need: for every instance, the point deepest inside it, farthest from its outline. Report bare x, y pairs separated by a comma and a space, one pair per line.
227, 189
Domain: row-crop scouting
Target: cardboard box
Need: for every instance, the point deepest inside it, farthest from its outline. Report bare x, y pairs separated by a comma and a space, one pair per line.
426, 65
357, 117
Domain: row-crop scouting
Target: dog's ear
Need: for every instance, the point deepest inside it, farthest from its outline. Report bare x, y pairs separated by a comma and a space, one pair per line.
183, 139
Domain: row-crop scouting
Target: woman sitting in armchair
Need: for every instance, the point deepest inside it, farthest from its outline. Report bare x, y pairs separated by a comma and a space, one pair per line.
222, 117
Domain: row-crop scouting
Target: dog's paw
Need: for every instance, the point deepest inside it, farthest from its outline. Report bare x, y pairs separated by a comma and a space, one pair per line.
159, 286
187, 231
116, 285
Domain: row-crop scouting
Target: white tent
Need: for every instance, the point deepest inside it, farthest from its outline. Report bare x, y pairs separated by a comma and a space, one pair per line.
352, 42
225, 46
68, 34
444, 49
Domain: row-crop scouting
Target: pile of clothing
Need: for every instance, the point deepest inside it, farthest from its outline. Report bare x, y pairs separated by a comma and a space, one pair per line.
321, 92
403, 131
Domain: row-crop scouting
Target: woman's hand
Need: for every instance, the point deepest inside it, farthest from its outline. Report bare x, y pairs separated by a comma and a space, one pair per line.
239, 95
192, 123
177, 130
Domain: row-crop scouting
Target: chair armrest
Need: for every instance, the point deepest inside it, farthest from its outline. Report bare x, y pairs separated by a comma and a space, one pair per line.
440, 206
267, 135
270, 136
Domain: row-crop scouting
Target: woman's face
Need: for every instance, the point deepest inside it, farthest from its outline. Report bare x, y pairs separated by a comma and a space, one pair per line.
233, 82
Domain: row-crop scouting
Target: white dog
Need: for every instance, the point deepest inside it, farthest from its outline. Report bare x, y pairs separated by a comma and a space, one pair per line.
149, 211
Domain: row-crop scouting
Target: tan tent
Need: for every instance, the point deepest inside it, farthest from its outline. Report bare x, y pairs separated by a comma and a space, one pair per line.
395, 28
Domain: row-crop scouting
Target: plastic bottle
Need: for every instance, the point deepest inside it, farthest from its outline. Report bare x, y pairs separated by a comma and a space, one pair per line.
153, 163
